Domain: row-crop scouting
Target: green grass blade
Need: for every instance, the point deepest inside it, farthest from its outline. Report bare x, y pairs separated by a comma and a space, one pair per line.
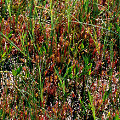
12, 44
91, 104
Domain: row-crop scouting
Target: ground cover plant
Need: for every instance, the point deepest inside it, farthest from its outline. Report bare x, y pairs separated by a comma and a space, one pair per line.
59, 59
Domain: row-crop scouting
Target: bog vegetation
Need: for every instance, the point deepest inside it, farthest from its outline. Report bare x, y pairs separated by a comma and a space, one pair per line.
59, 59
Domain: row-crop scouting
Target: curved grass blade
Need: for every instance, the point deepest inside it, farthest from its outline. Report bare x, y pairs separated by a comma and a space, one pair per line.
11, 43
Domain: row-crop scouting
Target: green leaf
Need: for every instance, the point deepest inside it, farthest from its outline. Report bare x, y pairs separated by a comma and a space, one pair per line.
91, 104
62, 81
16, 72
63, 86
86, 6
89, 72
76, 70
82, 46
71, 76
90, 66
10, 34
68, 71
3, 56
60, 78
116, 117
83, 106
1, 112
106, 94
19, 70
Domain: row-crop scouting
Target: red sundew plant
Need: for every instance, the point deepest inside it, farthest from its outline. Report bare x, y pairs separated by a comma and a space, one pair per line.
59, 59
